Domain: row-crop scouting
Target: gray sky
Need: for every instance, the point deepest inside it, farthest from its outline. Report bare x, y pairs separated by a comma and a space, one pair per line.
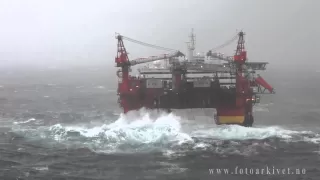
60, 32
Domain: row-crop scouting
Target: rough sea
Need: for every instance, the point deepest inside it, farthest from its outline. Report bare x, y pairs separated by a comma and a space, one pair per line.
65, 124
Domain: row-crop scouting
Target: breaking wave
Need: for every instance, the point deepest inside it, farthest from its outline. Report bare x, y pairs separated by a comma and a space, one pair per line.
24, 122
145, 132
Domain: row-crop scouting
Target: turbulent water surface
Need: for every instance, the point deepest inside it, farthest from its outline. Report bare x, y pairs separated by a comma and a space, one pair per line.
66, 124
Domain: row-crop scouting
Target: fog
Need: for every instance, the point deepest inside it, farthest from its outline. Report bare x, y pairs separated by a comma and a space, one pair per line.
78, 32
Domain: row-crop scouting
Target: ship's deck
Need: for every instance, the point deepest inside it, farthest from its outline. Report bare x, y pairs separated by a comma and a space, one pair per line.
203, 68
191, 69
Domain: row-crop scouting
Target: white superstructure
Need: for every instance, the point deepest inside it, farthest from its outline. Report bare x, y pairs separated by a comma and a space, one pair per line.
194, 58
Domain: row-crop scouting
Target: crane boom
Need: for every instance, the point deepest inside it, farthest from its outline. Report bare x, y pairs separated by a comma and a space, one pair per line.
220, 56
155, 58
247, 67
122, 59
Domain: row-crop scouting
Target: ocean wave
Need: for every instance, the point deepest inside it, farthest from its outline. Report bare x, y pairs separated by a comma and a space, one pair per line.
143, 131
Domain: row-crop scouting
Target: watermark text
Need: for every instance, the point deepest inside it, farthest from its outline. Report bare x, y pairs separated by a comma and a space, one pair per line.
257, 171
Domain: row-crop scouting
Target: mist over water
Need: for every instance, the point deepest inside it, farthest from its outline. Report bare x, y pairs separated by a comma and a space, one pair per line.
77, 33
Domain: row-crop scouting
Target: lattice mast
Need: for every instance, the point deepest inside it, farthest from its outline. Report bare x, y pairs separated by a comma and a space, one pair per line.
242, 84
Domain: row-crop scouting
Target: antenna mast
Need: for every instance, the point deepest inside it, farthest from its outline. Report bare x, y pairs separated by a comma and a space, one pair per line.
191, 46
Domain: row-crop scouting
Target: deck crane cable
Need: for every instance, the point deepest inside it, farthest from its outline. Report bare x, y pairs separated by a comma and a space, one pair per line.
226, 43
148, 45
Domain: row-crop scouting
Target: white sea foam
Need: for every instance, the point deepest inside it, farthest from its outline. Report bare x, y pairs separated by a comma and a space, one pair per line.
141, 131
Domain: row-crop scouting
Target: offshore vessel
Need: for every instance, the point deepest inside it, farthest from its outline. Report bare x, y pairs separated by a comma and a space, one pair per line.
175, 81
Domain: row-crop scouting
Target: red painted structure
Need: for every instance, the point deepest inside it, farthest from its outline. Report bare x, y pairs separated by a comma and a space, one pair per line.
233, 103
